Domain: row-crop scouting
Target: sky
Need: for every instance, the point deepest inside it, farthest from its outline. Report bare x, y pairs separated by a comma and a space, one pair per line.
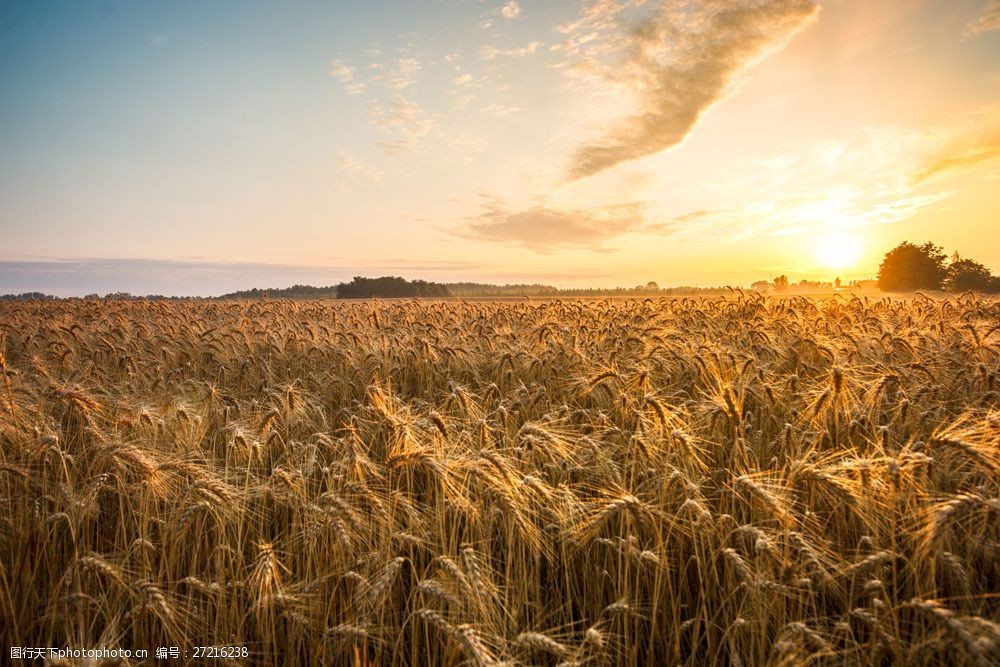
196, 148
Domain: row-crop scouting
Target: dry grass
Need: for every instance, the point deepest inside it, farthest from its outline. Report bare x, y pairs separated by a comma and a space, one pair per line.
736, 481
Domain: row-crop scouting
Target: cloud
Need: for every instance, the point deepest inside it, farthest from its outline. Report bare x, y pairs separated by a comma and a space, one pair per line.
401, 117
511, 10
545, 229
402, 74
352, 164
345, 74
490, 52
599, 15
683, 59
988, 21
974, 145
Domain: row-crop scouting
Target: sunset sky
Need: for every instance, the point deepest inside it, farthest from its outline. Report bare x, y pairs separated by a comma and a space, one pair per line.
199, 148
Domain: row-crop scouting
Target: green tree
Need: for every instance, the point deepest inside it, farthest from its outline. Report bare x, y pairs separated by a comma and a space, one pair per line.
910, 267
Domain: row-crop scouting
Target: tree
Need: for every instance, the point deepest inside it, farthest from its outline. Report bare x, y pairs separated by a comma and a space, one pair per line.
389, 287
781, 283
966, 274
910, 267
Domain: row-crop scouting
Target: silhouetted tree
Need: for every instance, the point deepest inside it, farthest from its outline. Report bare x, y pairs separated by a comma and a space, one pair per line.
966, 274
389, 287
911, 267
27, 296
781, 283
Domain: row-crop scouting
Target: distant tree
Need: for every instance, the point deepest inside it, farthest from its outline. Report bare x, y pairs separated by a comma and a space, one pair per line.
781, 283
389, 287
761, 286
27, 296
836, 282
966, 274
910, 267
652, 286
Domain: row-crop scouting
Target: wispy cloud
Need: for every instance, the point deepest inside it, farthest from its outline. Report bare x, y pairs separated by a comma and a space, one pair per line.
401, 117
511, 10
596, 16
391, 77
682, 59
352, 164
988, 21
345, 74
975, 144
399, 75
490, 52
544, 229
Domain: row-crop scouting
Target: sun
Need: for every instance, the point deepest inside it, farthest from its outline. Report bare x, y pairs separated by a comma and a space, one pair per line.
838, 249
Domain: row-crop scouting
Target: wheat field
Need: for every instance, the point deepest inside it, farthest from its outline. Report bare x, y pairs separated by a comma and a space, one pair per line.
729, 481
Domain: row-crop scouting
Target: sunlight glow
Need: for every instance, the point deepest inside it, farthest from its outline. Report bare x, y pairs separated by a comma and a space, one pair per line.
838, 249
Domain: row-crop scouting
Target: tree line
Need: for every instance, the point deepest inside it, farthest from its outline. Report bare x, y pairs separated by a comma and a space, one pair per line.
293, 292
389, 287
909, 267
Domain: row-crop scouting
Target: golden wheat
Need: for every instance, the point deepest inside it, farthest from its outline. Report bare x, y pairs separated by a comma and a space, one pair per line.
727, 481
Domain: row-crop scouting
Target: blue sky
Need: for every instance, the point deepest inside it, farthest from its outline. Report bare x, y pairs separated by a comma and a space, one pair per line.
202, 147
